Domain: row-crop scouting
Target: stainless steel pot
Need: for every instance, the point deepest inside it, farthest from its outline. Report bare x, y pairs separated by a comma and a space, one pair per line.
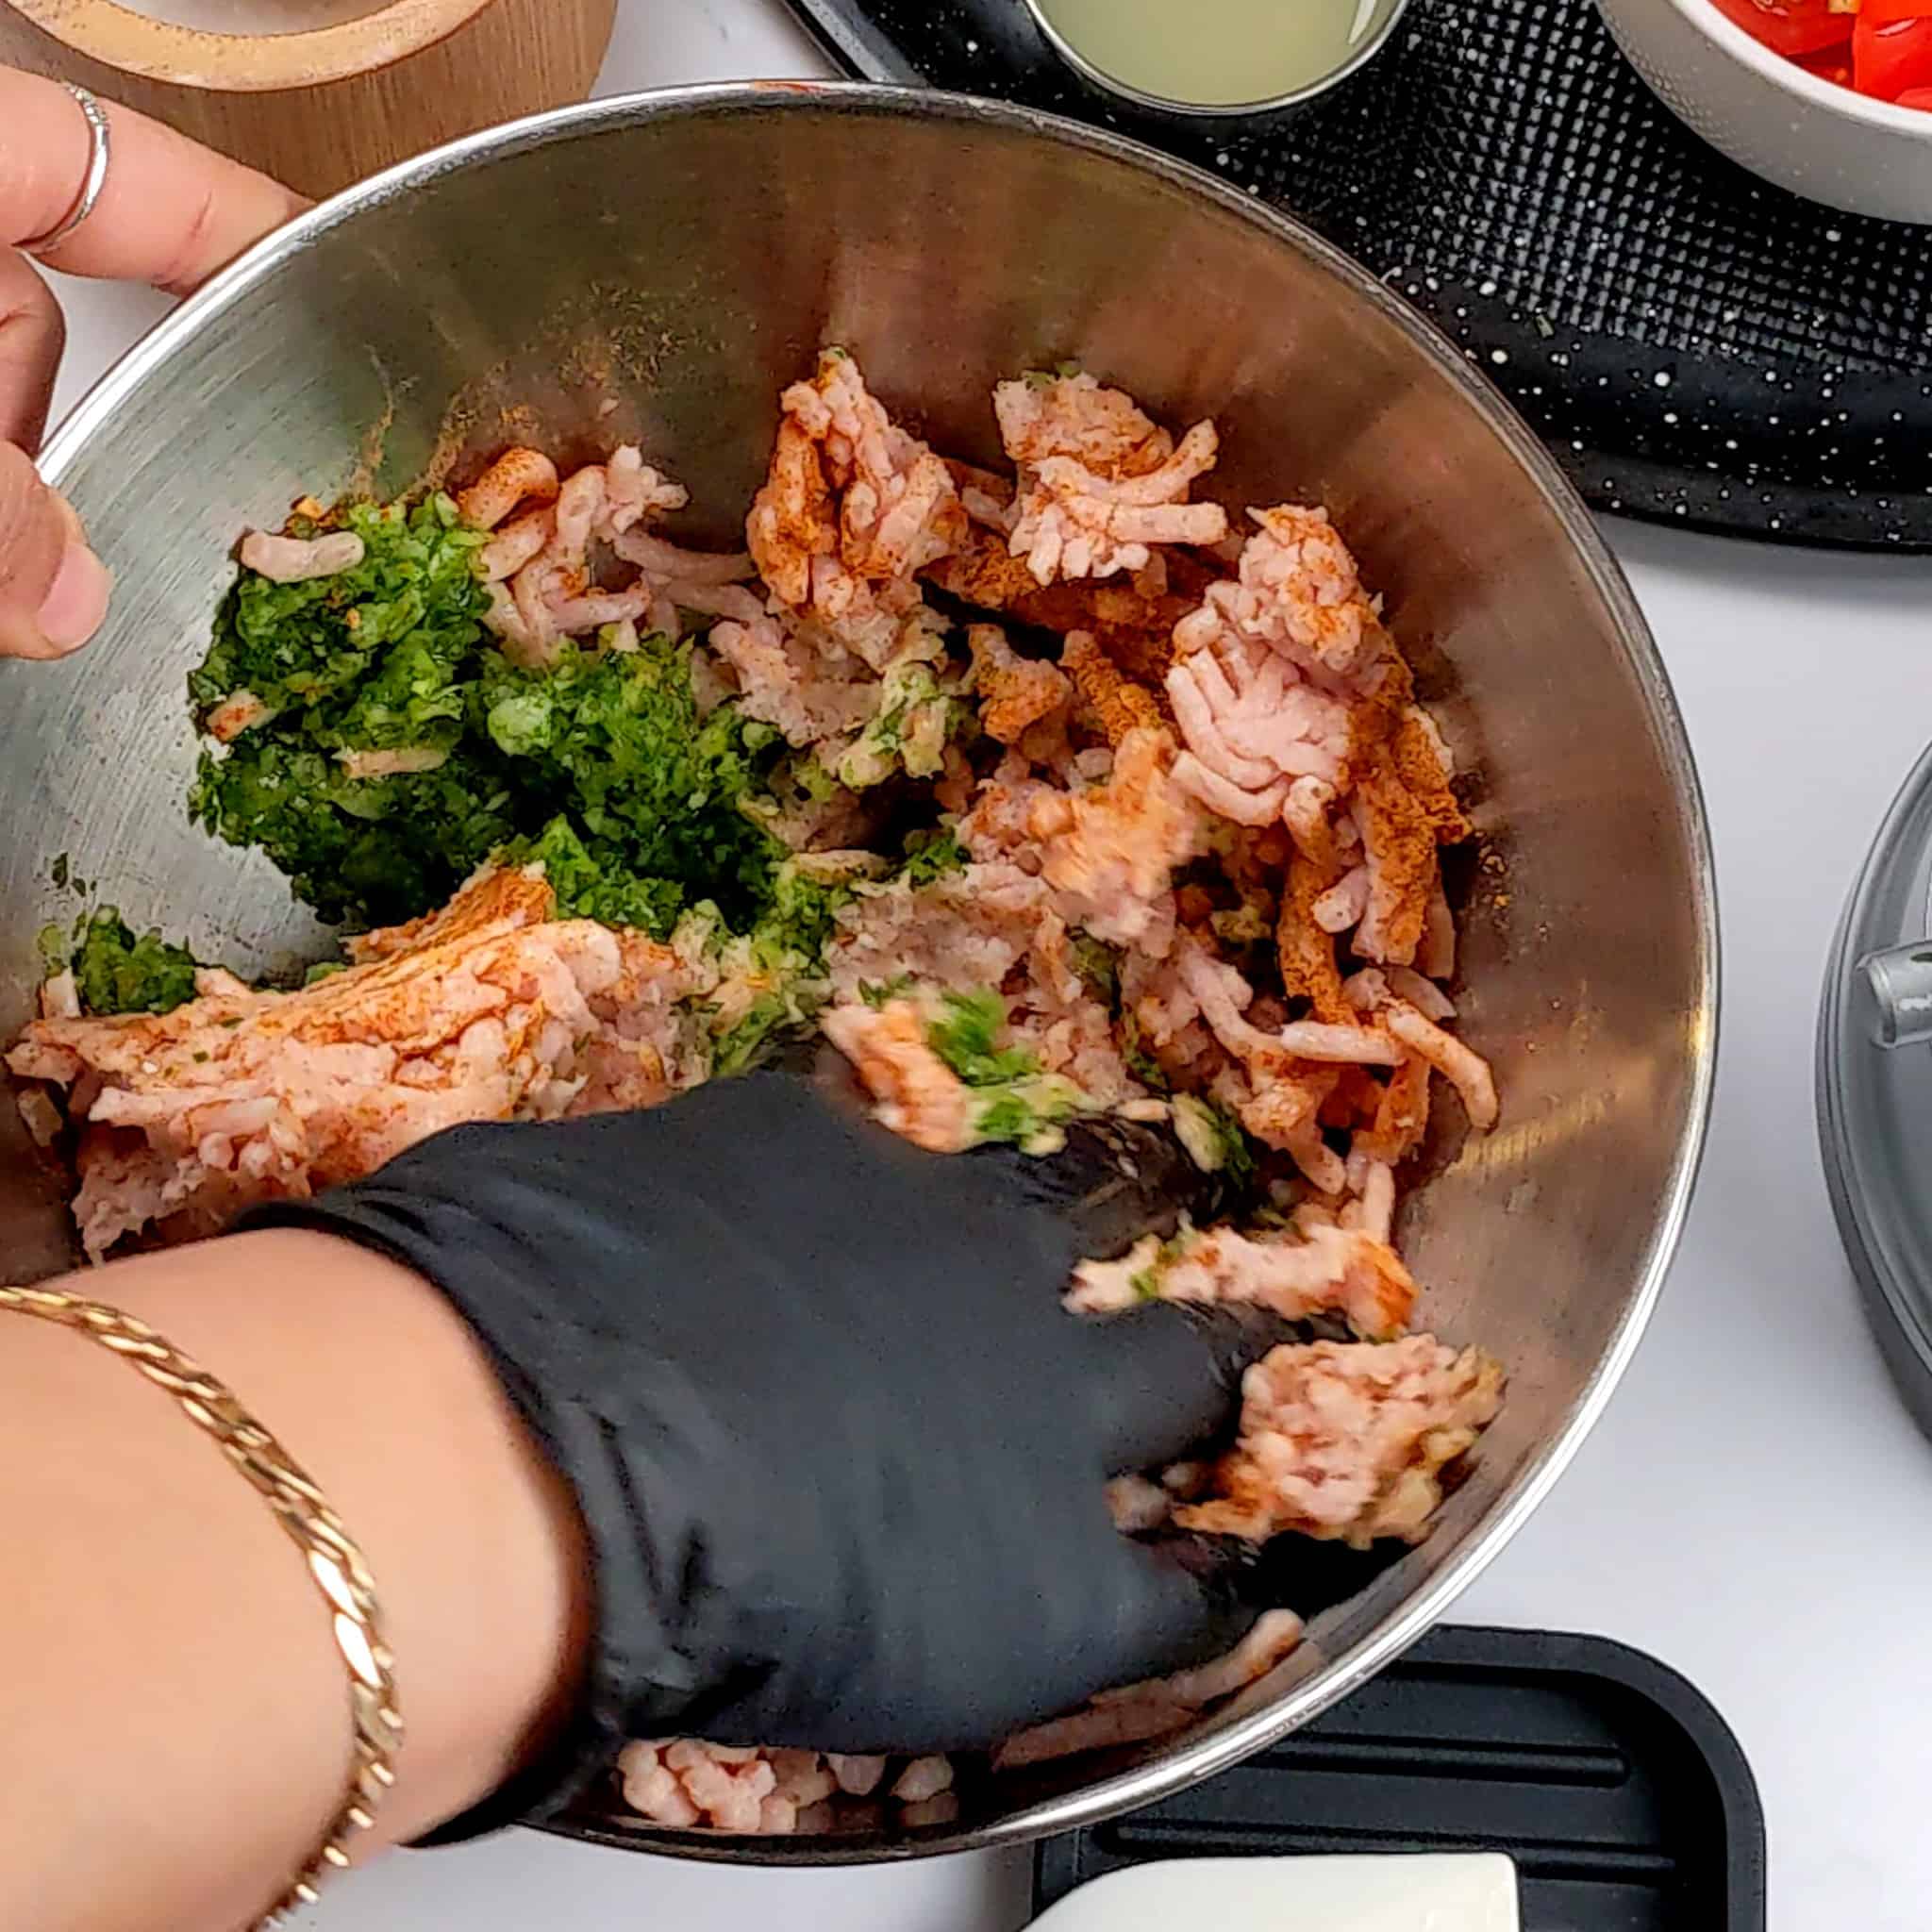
685, 254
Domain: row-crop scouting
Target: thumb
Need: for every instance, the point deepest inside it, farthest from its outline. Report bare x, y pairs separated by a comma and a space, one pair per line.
1160, 1607
53, 588
1164, 1380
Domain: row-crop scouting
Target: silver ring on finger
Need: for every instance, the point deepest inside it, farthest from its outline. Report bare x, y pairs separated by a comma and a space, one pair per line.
92, 183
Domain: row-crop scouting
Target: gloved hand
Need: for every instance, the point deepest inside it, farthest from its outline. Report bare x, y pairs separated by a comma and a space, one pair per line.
840, 1451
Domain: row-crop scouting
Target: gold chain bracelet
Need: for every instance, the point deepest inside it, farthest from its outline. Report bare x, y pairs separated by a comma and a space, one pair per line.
334, 1561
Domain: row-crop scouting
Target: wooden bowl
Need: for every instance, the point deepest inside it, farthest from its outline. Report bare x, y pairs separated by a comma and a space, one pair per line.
350, 90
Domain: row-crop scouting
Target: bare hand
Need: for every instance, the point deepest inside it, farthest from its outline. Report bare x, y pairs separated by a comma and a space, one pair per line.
170, 213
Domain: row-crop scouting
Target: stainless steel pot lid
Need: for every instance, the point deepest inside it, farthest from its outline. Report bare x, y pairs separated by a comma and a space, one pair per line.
1874, 1086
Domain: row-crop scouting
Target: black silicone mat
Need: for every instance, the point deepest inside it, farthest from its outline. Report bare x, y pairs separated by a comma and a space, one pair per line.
1695, 346
1623, 1796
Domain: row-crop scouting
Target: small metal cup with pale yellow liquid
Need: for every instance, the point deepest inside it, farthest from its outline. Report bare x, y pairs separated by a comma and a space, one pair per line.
1216, 57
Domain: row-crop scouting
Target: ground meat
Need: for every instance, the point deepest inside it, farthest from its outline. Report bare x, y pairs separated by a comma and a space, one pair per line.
1348, 1440
1096, 488
60, 996
515, 896
1137, 1505
1300, 591
539, 567
1056, 1014
1118, 705
1372, 1212
1401, 1117
513, 546
963, 932
518, 475
486, 1010
1076, 416
1418, 1032
1131, 617
1109, 854
240, 711
685, 1784
1254, 727
918, 1095
633, 489
924, 1778
1224, 996
1350, 1272
852, 508
1016, 694
389, 764
299, 560
793, 523
1294, 705
995, 828
1304, 948
1465, 1069
1398, 870
797, 677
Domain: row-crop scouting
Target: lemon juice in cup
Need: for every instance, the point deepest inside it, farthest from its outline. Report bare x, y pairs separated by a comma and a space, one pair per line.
1216, 57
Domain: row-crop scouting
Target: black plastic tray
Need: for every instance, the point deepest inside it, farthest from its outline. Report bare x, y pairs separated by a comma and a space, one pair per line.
1694, 346
1621, 1793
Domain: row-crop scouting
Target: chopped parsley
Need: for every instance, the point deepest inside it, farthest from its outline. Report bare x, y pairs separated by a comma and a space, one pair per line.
1028, 1113
321, 646
615, 744
768, 1020
1140, 1062
966, 1035
362, 852
115, 972
1099, 967
917, 714
931, 856
1006, 1118
1017, 1102
771, 982
1215, 1140
599, 764
586, 888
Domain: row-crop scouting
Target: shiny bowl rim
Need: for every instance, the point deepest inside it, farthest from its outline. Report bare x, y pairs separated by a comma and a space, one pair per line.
1092, 72
1191, 1760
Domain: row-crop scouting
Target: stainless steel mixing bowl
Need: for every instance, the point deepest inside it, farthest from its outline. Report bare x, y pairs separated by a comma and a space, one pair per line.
684, 254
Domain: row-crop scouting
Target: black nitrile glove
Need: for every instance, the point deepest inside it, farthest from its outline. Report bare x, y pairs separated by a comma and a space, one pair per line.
840, 1451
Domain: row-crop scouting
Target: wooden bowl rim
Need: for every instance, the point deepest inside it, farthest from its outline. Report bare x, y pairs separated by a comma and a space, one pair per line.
130, 42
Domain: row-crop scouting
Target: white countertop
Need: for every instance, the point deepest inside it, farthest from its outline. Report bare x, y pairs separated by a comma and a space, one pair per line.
1755, 1510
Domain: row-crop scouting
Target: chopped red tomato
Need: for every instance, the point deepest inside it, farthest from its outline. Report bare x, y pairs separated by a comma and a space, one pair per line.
1920, 97
1891, 57
1834, 64
1894, 9
1791, 28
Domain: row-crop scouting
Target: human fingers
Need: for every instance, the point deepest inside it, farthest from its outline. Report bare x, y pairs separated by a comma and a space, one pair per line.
171, 212
53, 588
1164, 1380
1111, 1182
1150, 1610
31, 335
